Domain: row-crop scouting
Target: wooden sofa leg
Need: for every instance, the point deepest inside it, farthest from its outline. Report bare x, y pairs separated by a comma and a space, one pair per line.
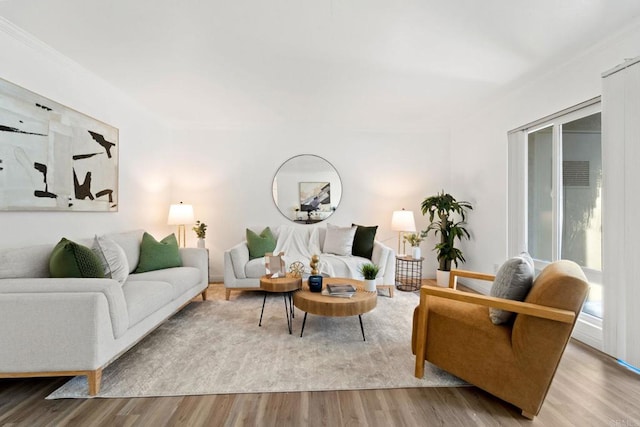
204, 295
94, 378
227, 294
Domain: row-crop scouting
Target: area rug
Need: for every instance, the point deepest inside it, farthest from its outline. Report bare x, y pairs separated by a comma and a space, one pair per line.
217, 347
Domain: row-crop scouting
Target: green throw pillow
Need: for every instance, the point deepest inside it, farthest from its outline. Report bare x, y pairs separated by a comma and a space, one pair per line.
156, 255
260, 244
363, 241
69, 259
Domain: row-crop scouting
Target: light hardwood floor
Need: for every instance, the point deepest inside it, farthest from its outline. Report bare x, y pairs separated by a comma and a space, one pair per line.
590, 389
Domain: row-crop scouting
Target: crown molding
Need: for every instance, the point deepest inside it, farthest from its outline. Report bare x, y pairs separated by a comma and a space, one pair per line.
29, 40
49, 53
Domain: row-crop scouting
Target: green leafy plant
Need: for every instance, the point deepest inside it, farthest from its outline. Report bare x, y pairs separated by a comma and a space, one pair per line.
414, 239
369, 270
200, 229
443, 209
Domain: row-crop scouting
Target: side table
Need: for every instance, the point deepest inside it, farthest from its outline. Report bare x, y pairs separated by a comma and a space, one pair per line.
408, 273
285, 285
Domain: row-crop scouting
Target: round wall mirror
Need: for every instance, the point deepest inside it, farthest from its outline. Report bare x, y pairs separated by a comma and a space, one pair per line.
307, 189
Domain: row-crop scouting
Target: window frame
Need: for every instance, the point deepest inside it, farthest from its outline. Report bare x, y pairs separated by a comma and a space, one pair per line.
588, 327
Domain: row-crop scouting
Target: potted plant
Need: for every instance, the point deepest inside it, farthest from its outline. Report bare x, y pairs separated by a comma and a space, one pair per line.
369, 271
447, 217
201, 231
414, 239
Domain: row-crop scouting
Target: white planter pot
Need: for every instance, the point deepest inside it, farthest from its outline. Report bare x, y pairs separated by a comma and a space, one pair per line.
416, 253
370, 285
442, 277
201, 243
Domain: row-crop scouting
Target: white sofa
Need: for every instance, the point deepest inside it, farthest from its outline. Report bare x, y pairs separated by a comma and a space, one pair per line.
74, 326
242, 273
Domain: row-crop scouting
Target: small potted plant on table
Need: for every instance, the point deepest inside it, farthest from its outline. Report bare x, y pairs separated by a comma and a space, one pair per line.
369, 271
414, 240
201, 231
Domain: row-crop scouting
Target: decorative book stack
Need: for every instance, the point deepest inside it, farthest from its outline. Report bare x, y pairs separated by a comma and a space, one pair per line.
343, 291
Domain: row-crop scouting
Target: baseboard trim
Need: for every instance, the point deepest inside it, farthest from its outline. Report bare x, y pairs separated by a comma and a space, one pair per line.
589, 334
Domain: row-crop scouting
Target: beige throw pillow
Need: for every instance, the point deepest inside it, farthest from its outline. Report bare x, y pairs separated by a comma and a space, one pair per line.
339, 240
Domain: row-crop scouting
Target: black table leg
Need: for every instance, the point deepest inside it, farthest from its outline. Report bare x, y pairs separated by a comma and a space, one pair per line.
291, 304
286, 312
361, 327
262, 312
303, 322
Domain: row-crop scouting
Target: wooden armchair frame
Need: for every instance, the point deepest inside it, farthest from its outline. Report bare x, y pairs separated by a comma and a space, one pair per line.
428, 292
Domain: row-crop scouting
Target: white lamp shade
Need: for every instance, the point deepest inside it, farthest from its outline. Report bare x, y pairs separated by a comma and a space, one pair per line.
180, 214
403, 221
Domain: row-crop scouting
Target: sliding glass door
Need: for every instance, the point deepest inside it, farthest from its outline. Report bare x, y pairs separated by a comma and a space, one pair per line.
562, 157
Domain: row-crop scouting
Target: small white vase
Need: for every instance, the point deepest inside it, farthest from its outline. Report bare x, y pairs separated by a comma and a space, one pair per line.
201, 243
442, 278
416, 253
370, 285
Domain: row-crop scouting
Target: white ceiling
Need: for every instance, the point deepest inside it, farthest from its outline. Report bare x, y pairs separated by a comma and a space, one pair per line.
365, 64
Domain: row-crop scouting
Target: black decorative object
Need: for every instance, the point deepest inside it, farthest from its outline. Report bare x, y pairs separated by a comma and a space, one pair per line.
315, 283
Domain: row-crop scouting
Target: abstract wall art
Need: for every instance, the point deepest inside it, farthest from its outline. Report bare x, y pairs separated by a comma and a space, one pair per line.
314, 194
53, 157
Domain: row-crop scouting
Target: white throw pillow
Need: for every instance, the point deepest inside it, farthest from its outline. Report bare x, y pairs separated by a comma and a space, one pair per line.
112, 257
339, 240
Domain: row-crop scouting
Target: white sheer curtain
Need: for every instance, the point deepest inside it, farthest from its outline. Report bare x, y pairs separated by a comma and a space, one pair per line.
620, 211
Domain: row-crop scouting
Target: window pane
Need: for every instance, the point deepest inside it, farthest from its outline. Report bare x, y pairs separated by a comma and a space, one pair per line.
582, 191
540, 207
582, 201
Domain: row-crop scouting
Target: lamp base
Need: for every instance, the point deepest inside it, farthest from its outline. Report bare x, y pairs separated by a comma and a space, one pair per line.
182, 236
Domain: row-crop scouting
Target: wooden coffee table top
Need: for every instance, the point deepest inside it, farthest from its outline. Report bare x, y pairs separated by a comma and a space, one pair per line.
280, 284
325, 305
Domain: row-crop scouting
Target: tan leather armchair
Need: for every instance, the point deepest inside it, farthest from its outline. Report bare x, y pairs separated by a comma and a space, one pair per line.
515, 362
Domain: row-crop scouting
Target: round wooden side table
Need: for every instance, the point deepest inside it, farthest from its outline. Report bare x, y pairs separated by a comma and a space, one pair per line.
284, 285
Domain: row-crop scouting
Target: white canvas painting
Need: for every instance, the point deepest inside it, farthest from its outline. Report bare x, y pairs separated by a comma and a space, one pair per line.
53, 157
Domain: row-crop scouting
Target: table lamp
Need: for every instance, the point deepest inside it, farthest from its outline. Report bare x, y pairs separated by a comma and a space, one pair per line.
180, 215
402, 222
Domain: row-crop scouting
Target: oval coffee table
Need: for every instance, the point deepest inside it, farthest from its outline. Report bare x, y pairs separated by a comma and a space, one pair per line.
324, 305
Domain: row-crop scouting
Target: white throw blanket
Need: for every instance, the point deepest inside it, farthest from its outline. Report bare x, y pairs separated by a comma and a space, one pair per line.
300, 244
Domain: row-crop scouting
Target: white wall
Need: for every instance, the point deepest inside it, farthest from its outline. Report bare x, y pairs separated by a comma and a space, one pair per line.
143, 177
479, 142
227, 176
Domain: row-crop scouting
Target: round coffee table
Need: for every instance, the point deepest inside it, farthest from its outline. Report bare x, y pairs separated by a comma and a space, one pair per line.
285, 285
325, 305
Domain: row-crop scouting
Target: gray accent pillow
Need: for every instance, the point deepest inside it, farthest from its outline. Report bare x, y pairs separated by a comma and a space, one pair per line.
513, 281
113, 259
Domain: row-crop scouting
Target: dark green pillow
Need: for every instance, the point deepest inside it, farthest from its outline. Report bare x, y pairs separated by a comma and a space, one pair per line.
260, 244
363, 241
69, 259
156, 255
